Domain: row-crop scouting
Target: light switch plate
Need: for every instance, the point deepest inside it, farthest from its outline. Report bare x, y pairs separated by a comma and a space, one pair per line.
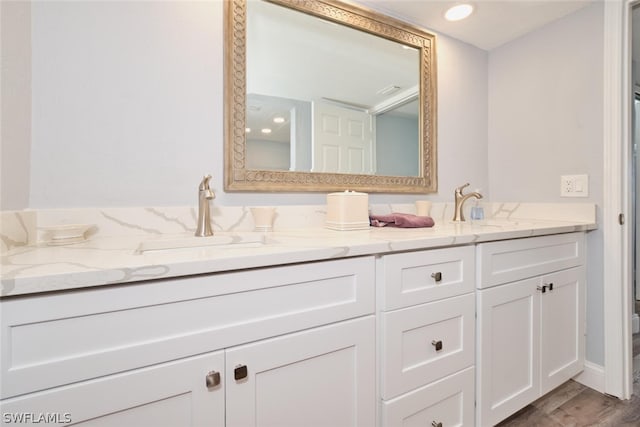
574, 186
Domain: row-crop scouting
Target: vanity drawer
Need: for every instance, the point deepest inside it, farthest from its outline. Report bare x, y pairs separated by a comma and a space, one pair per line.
449, 401
417, 277
512, 260
54, 339
424, 343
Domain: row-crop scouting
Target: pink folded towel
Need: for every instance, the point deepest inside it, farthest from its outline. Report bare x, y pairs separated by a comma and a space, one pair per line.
402, 220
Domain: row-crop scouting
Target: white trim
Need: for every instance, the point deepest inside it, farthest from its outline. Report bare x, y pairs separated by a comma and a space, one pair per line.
592, 376
616, 125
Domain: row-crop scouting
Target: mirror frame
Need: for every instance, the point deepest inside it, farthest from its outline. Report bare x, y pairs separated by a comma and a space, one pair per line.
239, 178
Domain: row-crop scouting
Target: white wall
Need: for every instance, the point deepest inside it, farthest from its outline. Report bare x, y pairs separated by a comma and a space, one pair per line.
15, 104
127, 102
128, 108
635, 53
546, 120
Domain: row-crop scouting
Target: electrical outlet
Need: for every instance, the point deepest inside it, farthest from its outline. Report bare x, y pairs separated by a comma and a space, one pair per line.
574, 186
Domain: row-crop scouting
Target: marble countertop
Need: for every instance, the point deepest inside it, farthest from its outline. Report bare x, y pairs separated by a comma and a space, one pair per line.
115, 260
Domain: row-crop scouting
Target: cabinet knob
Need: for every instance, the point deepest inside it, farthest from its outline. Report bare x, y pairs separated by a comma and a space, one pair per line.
550, 285
437, 344
437, 276
212, 379
542, 288
436, 424
240, 372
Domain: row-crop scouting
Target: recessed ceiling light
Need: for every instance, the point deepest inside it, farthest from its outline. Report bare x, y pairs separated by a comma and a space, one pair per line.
458, 12
266, 130
278, 120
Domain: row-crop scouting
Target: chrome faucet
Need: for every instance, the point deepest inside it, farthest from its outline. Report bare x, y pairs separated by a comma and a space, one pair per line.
204, 216
458, 215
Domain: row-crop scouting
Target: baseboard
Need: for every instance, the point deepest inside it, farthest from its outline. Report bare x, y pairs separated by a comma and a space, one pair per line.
635, 323
592, 376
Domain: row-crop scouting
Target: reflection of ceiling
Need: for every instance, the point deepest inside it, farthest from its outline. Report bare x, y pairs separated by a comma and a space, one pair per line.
262, 114
292, 55
493, 23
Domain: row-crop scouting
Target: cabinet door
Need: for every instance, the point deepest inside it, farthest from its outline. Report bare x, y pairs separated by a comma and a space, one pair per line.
170, 394
562, 327
508, 375
319, 377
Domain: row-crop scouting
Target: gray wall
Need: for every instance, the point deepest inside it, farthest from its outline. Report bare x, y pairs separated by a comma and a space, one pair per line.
397, 145
546, 120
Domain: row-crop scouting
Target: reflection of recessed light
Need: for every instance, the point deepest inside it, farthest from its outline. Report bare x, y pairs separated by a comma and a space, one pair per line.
458, 12
247, 130
266, 130
278, 120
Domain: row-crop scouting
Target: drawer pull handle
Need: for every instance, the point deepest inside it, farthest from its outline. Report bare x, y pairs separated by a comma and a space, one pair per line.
435, 424
240, 372
550, 286
212, 379
437, 344
437, 276
542, 288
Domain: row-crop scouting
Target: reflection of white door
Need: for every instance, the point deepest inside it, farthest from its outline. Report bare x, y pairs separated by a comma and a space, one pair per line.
342, 140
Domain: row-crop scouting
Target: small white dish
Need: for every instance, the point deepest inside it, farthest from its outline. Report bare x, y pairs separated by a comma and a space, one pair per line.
65, 234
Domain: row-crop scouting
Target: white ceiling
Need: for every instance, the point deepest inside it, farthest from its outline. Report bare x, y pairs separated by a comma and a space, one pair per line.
493, 23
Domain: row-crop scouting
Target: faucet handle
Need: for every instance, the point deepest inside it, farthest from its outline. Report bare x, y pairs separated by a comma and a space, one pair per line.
204, 184
459, 189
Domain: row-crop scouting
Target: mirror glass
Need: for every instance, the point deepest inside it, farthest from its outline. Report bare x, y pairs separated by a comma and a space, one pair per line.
294, 125
334, 97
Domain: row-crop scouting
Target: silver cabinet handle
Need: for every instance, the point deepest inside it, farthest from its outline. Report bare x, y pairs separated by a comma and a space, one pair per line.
212, 379
437, 344
437, 276
542, 288
435, 424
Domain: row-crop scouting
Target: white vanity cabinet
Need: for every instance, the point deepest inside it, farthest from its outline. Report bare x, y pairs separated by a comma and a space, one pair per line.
426, 310
530, 322
287, 346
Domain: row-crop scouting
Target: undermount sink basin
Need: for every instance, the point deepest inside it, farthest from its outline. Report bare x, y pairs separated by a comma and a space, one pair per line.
218, 240
497, 223
507, 223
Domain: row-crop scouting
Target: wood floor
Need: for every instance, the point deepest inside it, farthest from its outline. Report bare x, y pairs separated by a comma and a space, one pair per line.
575, 405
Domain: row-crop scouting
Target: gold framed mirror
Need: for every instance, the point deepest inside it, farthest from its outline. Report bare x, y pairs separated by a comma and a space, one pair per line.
331, 126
